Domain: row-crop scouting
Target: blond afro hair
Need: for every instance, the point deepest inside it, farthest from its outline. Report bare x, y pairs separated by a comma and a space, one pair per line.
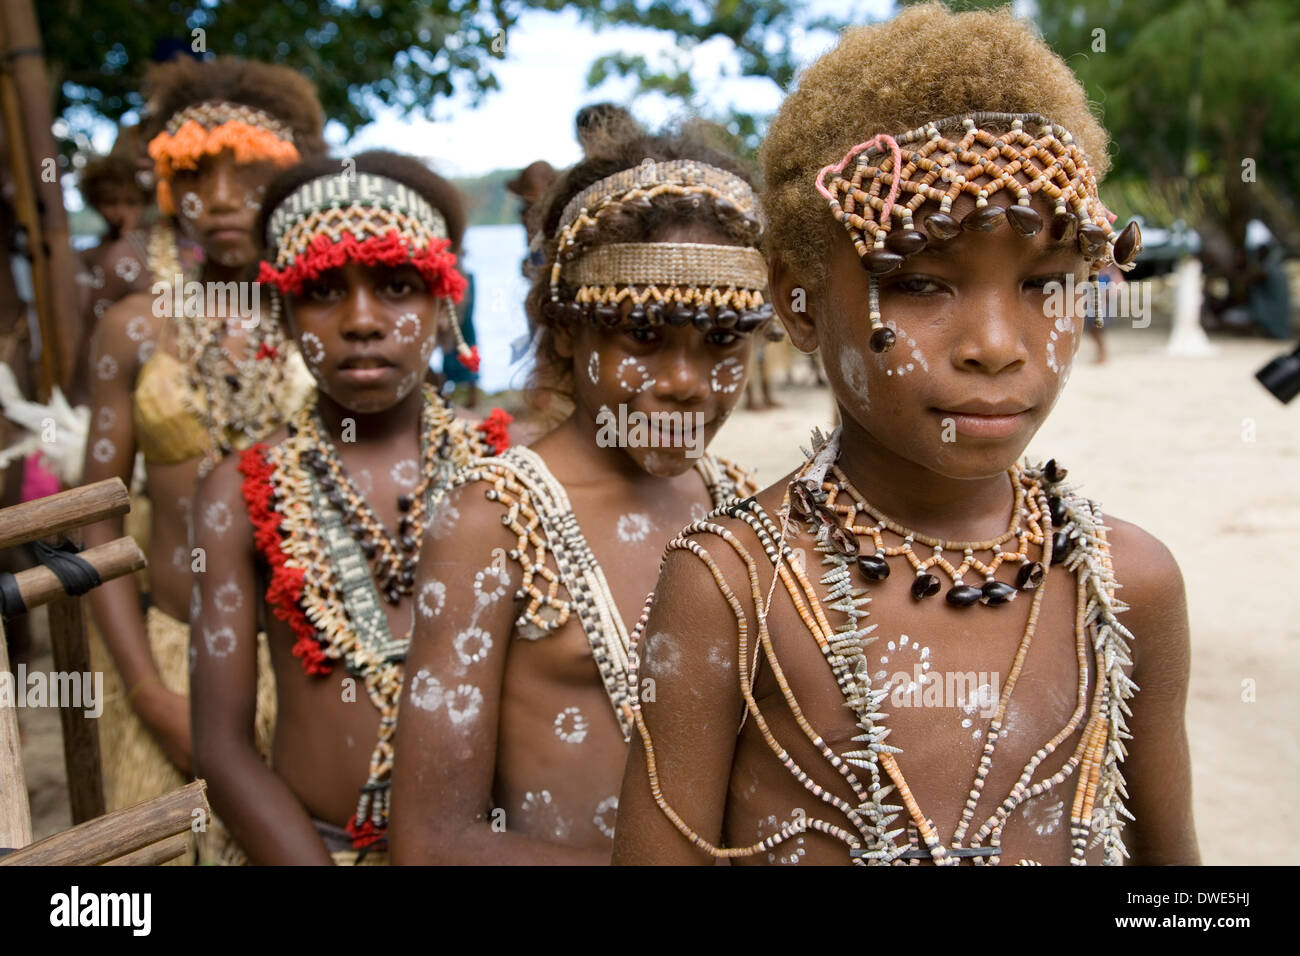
925, 64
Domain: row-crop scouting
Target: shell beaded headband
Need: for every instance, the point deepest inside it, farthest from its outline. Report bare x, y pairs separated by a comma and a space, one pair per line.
205, 129
360, 217
678, 283
877, 205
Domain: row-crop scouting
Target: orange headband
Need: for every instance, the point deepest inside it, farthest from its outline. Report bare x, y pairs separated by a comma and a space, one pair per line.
209, 128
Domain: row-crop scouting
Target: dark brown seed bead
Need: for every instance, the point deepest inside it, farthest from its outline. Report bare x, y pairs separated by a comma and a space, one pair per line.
1024, 220
703, 320
408, 543
1060, 547
905, 242
554, 311
576, 312
1030, 576
1092, 240
1056, 508
1063, 226
882, 340
925, 585
233, 381
727, 318
636, 317
984, 219
941, 226
1129, 244
994, 593
369, 549
608, 315
874, 566
680, 315
962, 595
394, 596
881, 261
655, 313
404, 502
749, 320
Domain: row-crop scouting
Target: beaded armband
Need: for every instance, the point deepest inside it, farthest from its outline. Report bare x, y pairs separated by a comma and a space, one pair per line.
675, 283
878, 188
207, 128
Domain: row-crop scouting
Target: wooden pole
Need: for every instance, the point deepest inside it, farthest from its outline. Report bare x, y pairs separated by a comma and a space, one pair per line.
33, 157
56, 514
155, 853
118, 834
15, 812
112, 560
71, 654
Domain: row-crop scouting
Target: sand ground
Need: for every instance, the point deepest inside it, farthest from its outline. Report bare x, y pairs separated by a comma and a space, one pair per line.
1194, 451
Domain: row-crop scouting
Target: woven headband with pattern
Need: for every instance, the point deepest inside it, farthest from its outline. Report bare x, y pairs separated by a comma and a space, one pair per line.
212, 113
878, 188
651, 178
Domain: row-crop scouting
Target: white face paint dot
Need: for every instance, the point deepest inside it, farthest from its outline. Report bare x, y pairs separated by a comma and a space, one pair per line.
407, 329
405, 472
426, 692
221, 642
698, 511
472, 645
606, 815
633, 376
106, 367
633, 527
432, 596
571, 726
408, 383
445, 516
191, 206
464, 704
313, 349
593, 367
228, 598
217, 517
365, 481
103, 451
146, 351
194, 658
727, 375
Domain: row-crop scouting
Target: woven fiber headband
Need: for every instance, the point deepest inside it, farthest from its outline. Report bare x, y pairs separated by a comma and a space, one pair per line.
205, 129
878, 187
682, 283
361, 217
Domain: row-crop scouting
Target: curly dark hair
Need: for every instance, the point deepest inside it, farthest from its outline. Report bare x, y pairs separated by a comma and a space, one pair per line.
277, 90
109, 172
408, 170
924, 64
607, 155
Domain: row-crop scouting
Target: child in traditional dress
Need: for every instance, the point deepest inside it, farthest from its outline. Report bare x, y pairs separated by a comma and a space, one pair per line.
327, 517
515, 717
841, 672
184, 377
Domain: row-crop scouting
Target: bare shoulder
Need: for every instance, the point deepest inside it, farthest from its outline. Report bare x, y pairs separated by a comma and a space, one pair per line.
1151, 584
131, 317
468, 521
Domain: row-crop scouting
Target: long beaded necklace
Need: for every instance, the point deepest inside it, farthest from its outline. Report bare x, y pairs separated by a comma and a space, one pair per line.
312, 527
394, 559
1097, 807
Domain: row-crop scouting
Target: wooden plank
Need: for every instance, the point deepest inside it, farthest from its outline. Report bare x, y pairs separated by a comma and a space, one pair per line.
39, 584
55, 514
155, 853
80, 733
15, 812
119, 833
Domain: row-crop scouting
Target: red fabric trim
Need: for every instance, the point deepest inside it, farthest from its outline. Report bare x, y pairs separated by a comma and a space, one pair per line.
495, 429
365, 835
267, 351
435, 263
284, 593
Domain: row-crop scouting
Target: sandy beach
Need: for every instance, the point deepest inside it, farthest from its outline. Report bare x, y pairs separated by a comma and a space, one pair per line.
1194, 451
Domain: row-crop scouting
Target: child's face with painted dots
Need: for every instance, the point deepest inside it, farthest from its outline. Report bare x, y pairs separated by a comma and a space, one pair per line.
979, 357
